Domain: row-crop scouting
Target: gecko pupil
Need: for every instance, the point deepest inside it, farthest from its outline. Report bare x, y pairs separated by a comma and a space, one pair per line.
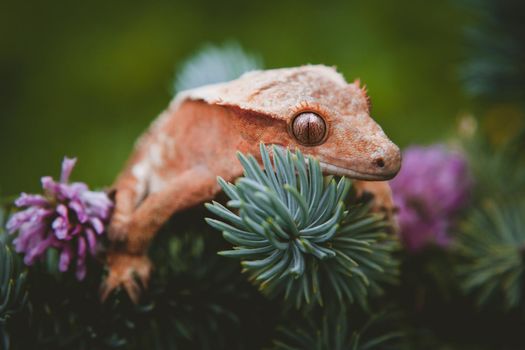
309, 128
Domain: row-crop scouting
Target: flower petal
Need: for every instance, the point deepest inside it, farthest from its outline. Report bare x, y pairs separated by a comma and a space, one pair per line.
65, 259
29, 215
49, 185
81, 247
97, 203
37, 251
67, 167
81, 259
76, 230
97, 225
16, 220
79, 209
26, 200
61, 224
62, 210
28, 235
92, 240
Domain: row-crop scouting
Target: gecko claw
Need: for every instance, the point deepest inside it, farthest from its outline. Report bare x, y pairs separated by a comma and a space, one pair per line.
128, 271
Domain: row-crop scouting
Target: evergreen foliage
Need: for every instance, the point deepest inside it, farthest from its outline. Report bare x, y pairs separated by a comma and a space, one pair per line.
491, 240
333, 329
494, 69
296, 234
215, 64
493, 245
195, 300
307, 239
498, 169
13, 294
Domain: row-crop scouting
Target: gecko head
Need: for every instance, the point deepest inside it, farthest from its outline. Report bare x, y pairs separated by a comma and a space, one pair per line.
325, 117
351, 145
311, 108
333, 124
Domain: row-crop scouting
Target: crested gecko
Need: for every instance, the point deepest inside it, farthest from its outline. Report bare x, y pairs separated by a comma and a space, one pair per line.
175, 163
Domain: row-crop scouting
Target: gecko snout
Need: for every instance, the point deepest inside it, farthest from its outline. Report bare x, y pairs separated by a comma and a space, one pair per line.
388, 164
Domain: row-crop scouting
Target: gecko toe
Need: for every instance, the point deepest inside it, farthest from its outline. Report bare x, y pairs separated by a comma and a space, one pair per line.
128, 271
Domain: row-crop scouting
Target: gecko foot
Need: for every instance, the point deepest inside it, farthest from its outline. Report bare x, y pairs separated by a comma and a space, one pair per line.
128, 271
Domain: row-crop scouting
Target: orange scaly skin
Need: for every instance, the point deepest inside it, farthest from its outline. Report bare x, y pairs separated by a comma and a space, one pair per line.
176, 162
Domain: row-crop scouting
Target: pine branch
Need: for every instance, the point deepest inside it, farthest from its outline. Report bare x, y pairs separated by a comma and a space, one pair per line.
13, 294
295, 236
332, 330
494, 69
491, 240
499, 169
492, 243
215, 64
195, 299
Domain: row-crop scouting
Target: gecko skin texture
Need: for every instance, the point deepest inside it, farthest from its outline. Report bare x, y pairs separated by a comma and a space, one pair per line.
175, 163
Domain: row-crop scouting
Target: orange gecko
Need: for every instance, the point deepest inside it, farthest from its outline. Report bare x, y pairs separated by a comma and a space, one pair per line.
175, 163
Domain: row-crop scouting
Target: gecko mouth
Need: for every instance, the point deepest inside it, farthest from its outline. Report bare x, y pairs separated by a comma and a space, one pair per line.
332, 169
340, 171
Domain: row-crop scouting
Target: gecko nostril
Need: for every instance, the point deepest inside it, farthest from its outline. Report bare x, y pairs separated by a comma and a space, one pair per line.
379, 162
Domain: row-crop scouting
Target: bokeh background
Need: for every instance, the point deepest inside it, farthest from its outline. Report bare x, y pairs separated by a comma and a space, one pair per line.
85, 78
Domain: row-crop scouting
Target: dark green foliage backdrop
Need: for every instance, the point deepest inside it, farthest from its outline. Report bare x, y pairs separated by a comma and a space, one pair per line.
85, 78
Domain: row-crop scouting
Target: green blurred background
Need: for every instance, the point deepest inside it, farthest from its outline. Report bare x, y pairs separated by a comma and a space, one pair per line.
85, 78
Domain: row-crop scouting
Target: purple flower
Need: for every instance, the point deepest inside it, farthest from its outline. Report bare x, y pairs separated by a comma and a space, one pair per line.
432, 186
68, 217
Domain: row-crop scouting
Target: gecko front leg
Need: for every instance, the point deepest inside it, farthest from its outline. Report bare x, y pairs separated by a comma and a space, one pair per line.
130, 259
382, 201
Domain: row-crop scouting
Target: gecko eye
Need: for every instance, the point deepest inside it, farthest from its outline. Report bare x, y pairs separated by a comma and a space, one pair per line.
309, 128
